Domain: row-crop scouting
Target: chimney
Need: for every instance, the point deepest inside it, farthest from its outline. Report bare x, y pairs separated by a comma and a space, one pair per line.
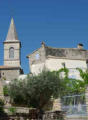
80, 46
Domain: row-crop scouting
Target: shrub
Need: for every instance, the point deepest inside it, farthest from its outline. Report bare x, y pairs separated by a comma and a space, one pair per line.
12, 110
5, 90
35, 91
1, 106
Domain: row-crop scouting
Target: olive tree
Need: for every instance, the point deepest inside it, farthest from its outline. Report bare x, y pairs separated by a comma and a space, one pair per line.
35, 90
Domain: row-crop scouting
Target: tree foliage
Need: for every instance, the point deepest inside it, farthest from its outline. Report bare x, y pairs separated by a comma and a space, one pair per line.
1, 106
35, 91
70, 85
5, 90
84, 75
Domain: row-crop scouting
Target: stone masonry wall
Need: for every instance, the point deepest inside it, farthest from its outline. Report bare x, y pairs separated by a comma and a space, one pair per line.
76, 117
9, 75
16, 60
37, 58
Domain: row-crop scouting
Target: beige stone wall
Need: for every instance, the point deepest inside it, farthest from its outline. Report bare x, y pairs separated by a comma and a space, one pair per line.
86, 99
18, 109
57, 105
56, 63
16, 45
36, 64
1, 91
80, 117
16, 60
8, 75
37, 68
12, 63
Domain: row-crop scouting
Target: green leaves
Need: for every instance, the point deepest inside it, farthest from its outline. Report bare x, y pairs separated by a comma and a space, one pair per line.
1, 106
69, 85
35, 91
83, 75
5, 90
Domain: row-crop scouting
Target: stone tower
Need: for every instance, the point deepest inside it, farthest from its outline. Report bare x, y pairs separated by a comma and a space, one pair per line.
12, 47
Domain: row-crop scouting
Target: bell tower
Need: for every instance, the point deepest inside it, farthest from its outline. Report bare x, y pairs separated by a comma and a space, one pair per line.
12, 47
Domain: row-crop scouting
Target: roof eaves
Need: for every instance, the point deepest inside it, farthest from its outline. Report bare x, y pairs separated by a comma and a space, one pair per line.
66, 48
32, 52
9, 67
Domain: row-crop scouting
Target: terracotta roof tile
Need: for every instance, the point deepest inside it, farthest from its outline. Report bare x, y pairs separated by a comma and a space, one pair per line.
6, 67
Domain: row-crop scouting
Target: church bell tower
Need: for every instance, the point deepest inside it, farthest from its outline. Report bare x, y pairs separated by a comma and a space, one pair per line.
12, 47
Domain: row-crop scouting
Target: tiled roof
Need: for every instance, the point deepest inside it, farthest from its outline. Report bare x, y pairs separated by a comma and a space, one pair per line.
8, 67
69, 53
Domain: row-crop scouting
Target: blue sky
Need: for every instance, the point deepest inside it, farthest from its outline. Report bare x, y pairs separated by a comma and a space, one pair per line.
60, 23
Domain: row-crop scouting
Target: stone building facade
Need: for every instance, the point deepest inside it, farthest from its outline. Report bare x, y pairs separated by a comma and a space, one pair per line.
44, 57
12, 52
55, 58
